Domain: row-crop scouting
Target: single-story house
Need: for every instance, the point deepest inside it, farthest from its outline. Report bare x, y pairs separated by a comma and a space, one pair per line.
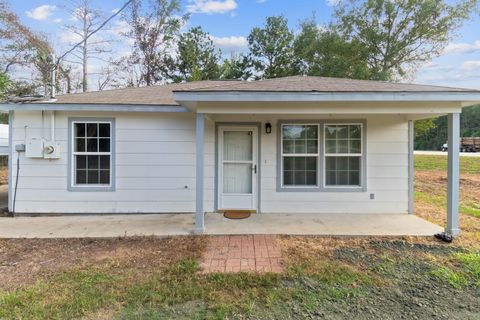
294, 144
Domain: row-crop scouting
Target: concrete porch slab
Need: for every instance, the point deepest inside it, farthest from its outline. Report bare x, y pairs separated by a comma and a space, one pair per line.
84, 226
323, 224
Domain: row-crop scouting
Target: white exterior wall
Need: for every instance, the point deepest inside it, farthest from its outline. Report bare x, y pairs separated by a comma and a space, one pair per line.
387, 170
155, 165
155, 160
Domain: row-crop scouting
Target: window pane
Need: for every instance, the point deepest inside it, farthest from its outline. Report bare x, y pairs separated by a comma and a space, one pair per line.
92, 130
342, 132
104, 176
343, 138
354, 178
300, 146
288, 178
79, 130
311, 178
355, 146
237, 178
299, 178
104, 162
104, 130
80, 177
93, 177
342, 178
300, 163
237, 145
312, 163
312, 132
342, 146
331, 163
355, 131
92, 162
312, 146
293, 132
300, 171
354, 163
342, 163
92, 145
288, 146
104, 145
330, 132
331, 146
342, 171
331, 178
81, 162
288, 163
79, 145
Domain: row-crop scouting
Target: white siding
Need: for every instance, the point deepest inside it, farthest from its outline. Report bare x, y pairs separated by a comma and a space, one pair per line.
387, 171
155, 167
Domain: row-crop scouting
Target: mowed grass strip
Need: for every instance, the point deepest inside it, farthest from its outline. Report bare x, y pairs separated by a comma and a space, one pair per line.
431, 183
438, 163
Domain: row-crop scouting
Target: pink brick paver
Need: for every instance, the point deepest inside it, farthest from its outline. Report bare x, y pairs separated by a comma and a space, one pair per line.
258, 253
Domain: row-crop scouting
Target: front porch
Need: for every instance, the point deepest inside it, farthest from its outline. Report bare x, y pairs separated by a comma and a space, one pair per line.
105, 226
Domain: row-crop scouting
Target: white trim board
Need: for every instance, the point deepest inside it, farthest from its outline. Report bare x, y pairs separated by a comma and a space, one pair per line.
93, 107
473, 97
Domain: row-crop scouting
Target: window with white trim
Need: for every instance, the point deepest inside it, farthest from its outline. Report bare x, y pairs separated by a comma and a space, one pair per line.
343, 154
92, 153
300, 153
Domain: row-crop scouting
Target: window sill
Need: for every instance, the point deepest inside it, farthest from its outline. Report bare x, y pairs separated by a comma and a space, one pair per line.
320, 189
91, 188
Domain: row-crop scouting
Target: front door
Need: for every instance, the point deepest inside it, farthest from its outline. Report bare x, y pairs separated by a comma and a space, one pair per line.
237, 167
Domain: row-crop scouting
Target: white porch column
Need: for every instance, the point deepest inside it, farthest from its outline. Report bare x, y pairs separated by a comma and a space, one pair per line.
410, 166
453, 173
200, 156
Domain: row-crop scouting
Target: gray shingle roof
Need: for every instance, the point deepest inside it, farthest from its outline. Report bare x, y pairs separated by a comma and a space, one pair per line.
152, 95
163, 94
323, 84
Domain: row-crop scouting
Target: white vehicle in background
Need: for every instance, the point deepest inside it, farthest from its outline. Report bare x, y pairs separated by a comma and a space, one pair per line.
467, 144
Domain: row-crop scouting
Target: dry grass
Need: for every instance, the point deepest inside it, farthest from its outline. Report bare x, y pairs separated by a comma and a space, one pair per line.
23, 261
430, 203
3, 175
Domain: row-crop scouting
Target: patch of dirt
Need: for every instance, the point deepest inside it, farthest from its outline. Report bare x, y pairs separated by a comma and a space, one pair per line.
409, 290
435, 183
22, 261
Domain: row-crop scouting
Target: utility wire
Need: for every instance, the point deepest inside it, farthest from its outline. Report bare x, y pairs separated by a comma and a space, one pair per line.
93, 32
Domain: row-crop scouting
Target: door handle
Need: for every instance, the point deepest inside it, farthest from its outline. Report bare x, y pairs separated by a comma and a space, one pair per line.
254, 168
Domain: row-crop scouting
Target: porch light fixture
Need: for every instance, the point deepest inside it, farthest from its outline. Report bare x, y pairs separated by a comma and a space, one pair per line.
268, 128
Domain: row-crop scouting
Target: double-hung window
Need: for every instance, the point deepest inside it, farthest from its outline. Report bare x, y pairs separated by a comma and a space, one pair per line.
92, 158
343, 155
299, 153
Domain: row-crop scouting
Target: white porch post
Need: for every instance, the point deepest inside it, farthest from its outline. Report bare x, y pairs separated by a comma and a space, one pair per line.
200, 156
453, 173
410, 166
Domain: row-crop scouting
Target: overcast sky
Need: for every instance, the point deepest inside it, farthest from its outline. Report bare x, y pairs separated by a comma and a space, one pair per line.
230, 21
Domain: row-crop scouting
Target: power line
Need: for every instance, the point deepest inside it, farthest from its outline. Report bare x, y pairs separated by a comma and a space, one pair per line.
93, 32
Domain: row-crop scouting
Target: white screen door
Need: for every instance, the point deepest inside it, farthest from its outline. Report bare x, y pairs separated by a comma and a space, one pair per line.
237, 170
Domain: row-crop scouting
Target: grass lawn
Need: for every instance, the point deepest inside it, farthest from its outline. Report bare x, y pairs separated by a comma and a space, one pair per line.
324, 277
431, 193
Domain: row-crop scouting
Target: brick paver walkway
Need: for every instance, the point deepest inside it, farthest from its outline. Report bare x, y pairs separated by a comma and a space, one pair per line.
242, 253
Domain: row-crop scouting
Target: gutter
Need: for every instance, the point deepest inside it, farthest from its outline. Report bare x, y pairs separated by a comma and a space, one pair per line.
5, 107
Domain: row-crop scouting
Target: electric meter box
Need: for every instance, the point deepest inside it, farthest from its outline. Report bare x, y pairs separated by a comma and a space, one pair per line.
51, 150
34, 148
